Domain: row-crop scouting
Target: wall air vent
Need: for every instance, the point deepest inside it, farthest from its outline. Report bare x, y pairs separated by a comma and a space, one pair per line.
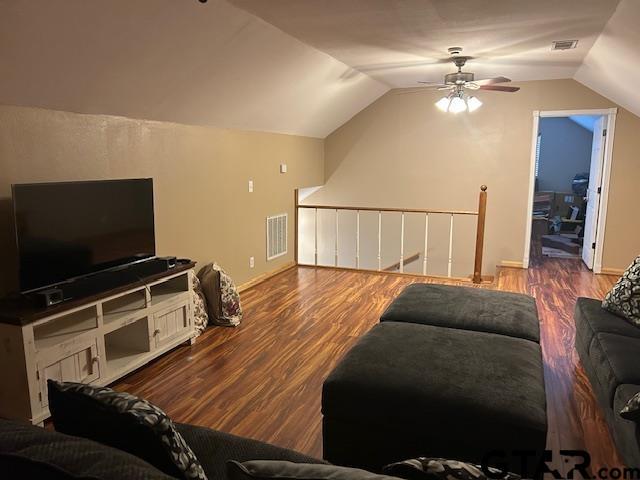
276, 236
564, 44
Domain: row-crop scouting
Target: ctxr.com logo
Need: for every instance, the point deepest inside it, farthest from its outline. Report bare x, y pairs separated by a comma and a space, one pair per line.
496, 462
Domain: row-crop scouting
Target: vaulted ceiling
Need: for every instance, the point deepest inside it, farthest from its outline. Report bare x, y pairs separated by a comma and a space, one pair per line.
402, 41
173, 60
295, 66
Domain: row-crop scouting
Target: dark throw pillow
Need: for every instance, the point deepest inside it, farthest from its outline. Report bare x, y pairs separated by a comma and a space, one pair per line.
30, 452
624, 298
122, 421
280, 470
423, 468
631, 410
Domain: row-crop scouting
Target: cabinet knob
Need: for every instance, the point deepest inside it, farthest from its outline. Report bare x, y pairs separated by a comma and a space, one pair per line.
156, 331
95, 359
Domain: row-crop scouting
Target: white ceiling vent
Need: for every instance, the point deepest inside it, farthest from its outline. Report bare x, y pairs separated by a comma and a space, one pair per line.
564, 44
276, 236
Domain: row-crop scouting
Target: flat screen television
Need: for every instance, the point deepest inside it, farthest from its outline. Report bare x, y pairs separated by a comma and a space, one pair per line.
73, 229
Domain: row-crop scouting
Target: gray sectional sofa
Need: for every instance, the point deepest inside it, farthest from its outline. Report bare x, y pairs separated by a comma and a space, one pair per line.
609, 348
449, 372
30, 452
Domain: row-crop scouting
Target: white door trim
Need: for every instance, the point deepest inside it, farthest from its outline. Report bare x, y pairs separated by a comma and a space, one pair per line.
610, 113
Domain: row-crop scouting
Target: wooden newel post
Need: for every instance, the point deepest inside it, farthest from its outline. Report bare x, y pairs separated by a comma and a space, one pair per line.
482, 213
295, 225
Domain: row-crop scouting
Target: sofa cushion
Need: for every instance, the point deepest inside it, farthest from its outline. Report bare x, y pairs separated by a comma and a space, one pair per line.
122, 421
591, 319
214, 449
34, 452
626, 432
466, 308
279, 470
624, 297
406, 390
615, 360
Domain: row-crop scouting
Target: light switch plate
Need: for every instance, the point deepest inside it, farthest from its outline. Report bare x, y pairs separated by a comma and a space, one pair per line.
283, 168
252, 262
250, 186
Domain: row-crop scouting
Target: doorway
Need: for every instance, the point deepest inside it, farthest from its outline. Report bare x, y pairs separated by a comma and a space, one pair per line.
570, 165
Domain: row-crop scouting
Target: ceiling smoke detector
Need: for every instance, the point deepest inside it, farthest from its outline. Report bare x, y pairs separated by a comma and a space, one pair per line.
564, 44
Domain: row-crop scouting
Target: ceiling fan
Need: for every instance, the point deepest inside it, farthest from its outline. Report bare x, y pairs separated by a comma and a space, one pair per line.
457, 100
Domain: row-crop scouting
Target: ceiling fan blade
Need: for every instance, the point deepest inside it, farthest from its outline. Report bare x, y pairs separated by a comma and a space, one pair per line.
434, 87
492, 81
499, 88
407, 91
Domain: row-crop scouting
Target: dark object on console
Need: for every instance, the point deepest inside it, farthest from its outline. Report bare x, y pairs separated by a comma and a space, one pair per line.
32, 452
48, 297
609, 349
22, 310
169, 262
456, 388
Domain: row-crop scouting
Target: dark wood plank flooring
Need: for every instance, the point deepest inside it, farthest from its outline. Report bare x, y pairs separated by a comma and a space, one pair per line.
263, 379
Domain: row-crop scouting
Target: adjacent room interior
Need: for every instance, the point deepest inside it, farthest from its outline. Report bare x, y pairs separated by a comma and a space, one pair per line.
569, 159
338, 240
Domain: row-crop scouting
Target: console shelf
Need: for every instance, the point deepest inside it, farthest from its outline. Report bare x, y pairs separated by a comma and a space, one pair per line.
96, 341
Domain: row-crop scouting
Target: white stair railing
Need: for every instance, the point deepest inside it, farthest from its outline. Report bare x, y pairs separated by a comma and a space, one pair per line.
479, 244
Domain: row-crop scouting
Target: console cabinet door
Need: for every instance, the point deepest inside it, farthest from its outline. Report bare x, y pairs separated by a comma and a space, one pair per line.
170, 323
82, 366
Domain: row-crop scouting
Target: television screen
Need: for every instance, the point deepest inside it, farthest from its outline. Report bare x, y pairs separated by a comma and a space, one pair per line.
67, 230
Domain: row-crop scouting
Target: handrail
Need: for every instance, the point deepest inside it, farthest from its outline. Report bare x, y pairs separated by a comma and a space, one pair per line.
479, 245
387, 209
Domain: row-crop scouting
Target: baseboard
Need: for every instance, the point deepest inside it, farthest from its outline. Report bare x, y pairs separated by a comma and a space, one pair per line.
511, 264
265, 276
611, 271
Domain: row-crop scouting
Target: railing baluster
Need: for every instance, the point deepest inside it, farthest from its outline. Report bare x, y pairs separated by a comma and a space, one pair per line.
450, 246
402, 243
379, 240
426, 236
315, 238
336, 256
358, 239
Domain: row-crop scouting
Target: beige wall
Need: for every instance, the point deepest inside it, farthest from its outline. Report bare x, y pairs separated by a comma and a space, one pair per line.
402, 152
203, 208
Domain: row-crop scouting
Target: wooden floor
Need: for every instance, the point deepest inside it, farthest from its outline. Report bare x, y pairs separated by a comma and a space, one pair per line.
263, 379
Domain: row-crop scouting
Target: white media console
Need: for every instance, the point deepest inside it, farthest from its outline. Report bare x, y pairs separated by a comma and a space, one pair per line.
96, 341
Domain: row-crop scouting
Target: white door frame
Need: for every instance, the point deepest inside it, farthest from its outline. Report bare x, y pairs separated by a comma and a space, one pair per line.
610, 113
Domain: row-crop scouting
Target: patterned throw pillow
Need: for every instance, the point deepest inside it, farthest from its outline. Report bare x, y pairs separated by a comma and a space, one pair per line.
631, 410
222, 296
125, 422
424, 468
200, 315
624, 297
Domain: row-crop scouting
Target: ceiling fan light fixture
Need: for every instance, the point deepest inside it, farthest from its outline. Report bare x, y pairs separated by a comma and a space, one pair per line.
443, 104
457, 105
473, 104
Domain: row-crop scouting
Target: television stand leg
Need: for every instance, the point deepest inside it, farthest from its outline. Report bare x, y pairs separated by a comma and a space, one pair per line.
192, 341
